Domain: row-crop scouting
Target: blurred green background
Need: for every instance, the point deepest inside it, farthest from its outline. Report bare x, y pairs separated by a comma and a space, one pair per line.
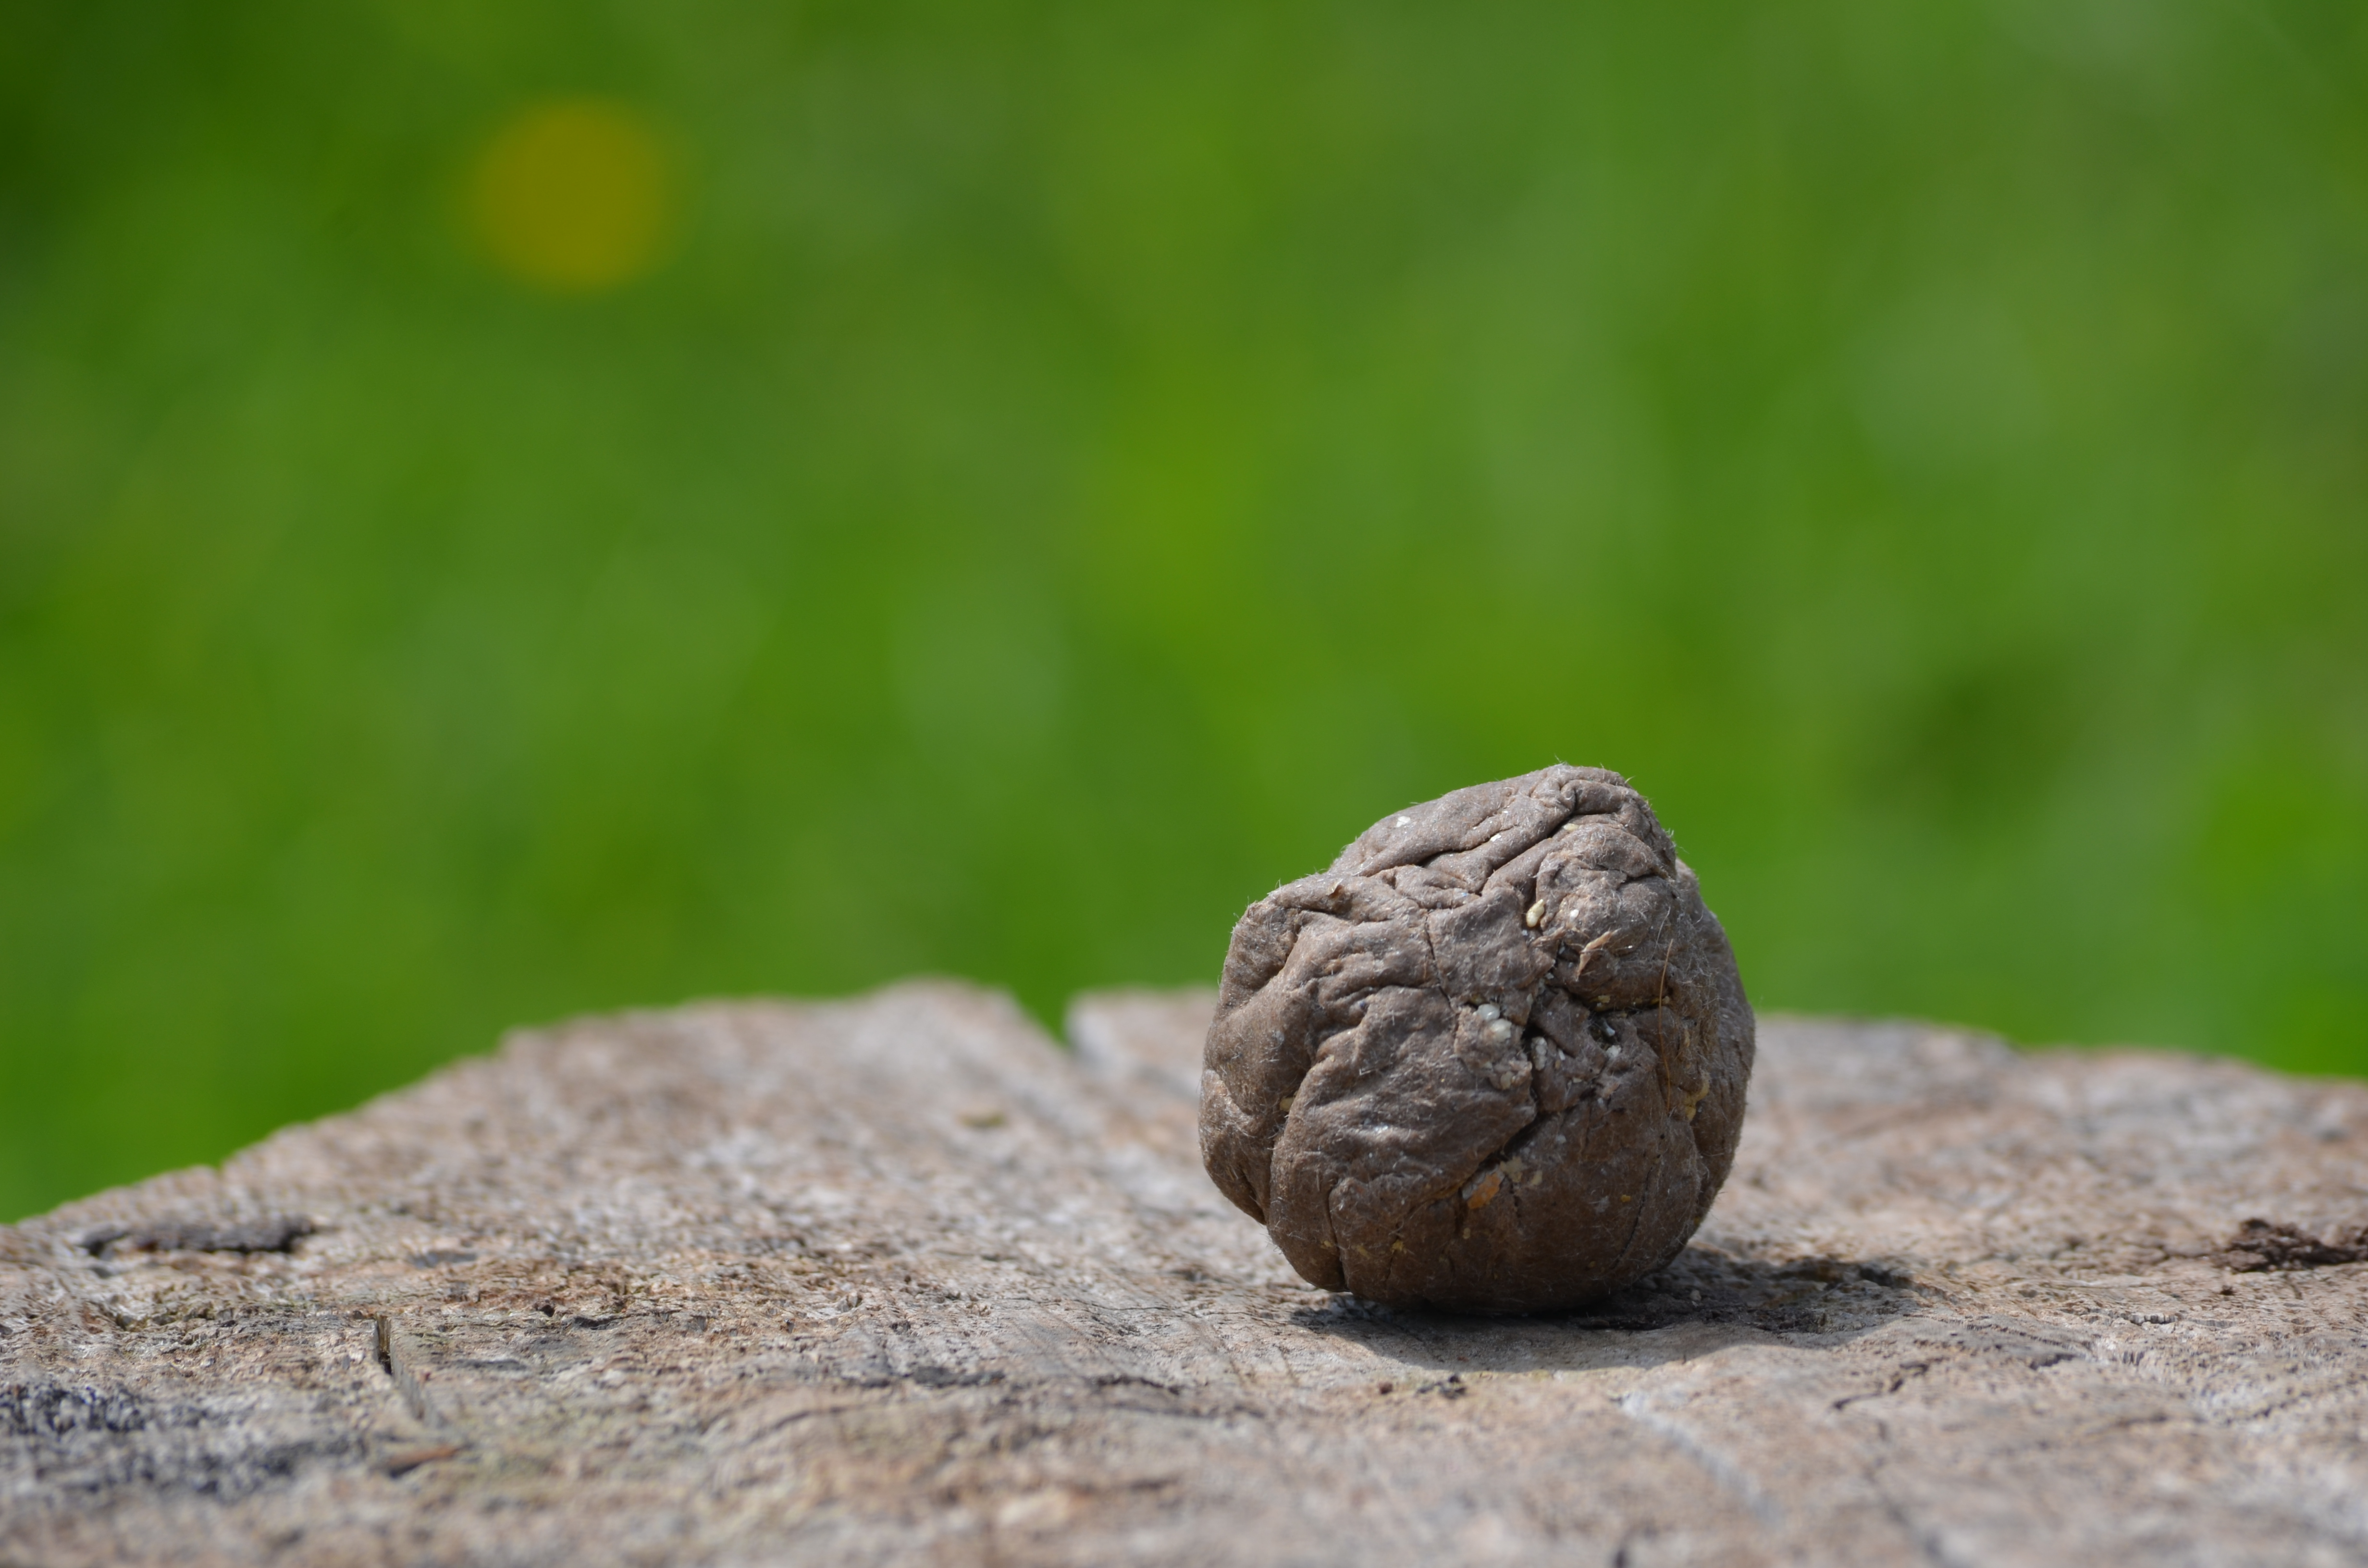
509, 509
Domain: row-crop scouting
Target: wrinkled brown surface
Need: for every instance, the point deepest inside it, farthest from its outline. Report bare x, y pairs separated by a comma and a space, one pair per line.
1493, 1059
896, 1281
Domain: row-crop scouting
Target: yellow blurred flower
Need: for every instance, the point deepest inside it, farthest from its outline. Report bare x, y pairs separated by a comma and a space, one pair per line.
573, 195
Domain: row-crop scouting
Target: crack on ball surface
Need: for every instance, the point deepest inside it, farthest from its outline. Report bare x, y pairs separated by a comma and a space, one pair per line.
1493, 1058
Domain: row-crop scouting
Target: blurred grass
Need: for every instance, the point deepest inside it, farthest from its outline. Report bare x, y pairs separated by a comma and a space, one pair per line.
1072, 465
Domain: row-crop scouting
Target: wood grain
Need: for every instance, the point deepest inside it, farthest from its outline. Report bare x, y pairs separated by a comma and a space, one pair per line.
897, 1279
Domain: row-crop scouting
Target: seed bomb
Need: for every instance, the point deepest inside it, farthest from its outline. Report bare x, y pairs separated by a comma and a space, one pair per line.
1493, 1060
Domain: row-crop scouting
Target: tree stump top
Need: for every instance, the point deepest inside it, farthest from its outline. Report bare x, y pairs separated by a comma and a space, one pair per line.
897, 1279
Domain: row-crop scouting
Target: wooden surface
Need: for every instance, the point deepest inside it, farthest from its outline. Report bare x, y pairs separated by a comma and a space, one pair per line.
898, 1280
